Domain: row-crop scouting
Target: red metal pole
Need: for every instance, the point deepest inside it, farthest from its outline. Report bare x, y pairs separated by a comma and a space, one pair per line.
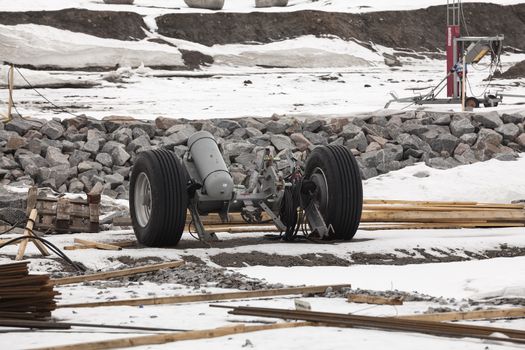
453, 31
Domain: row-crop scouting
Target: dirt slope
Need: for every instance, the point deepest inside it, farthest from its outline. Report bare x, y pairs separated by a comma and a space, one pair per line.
419, 29
104, 24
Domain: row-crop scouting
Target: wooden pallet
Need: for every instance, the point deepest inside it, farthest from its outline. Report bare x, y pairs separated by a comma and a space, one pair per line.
64, 215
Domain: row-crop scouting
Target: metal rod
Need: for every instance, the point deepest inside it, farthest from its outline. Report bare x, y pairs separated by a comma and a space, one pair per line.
10, 86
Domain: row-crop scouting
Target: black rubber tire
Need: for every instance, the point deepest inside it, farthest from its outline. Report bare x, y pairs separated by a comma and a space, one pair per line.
345, 189
472, 102
169, 198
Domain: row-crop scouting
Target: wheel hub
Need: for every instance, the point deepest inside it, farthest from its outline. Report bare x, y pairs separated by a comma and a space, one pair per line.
320, 194
142, 200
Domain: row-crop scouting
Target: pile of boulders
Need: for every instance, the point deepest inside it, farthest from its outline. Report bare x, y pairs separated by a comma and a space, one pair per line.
74, 154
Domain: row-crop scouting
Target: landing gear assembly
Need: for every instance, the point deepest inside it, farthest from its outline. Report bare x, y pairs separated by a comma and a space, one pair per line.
325, 193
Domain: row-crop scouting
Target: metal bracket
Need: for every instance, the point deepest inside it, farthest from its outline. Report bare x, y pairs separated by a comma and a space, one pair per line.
272, 215
203, 234
316, 221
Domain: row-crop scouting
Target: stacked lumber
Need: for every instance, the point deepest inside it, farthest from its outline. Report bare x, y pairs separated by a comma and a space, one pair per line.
400, 214
379, 214
23, 295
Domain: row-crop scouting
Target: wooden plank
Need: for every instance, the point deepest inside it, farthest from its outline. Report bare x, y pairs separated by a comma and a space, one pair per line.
372, 299
27, 232
446, 216
94, 206
428, 208
32, 195
122, 244
120, 273
210, 297
176, 336
468, 315
444, 203
98, 245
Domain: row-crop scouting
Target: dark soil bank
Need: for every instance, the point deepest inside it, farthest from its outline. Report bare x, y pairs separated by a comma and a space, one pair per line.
104, 24
419, 29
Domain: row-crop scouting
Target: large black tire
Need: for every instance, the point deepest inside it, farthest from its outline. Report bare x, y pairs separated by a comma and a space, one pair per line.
168, 200
343, 206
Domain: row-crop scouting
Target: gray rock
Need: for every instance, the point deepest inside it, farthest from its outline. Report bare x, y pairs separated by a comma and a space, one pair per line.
461, 126
521, 140
77, 157
88, 165
13, 216
15, 142
393, 165
247, 160
443, 119
7, 163
316, 138
350, 131
123, 135
139, 142
76, 186
92, 146
301, 141
443, 163
282, 142
489, 136
389, 153
489, 120
180, 127
368, 173
235, 149
95, 134
19, 125
509, 131
138, 132
469, 139
229, 125
110, 146
252, 132
178, 138
444, 143
313, 125
421, 174
506, 157
358, 142
54, 157
120, 156
104, 159
414, 127
52, 129
276, 126
114, 180
148, 128
515, 118
370, 159
413, 142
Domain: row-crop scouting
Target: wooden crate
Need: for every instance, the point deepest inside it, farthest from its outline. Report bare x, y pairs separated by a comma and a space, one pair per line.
64, 215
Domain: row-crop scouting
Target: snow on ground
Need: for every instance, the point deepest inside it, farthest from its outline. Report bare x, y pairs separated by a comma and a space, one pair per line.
158, 7
491, 181
36, 45
475, 279
224, 90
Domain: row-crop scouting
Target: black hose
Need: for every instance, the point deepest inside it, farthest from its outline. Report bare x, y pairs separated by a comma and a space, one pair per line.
49, 245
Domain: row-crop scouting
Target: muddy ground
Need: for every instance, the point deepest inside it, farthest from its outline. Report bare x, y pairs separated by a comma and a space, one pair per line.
401, 257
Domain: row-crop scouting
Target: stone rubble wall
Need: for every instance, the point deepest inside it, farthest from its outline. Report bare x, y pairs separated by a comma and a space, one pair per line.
74, 154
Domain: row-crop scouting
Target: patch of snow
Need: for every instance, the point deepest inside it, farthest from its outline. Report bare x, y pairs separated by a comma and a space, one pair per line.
492, 181
37, 45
